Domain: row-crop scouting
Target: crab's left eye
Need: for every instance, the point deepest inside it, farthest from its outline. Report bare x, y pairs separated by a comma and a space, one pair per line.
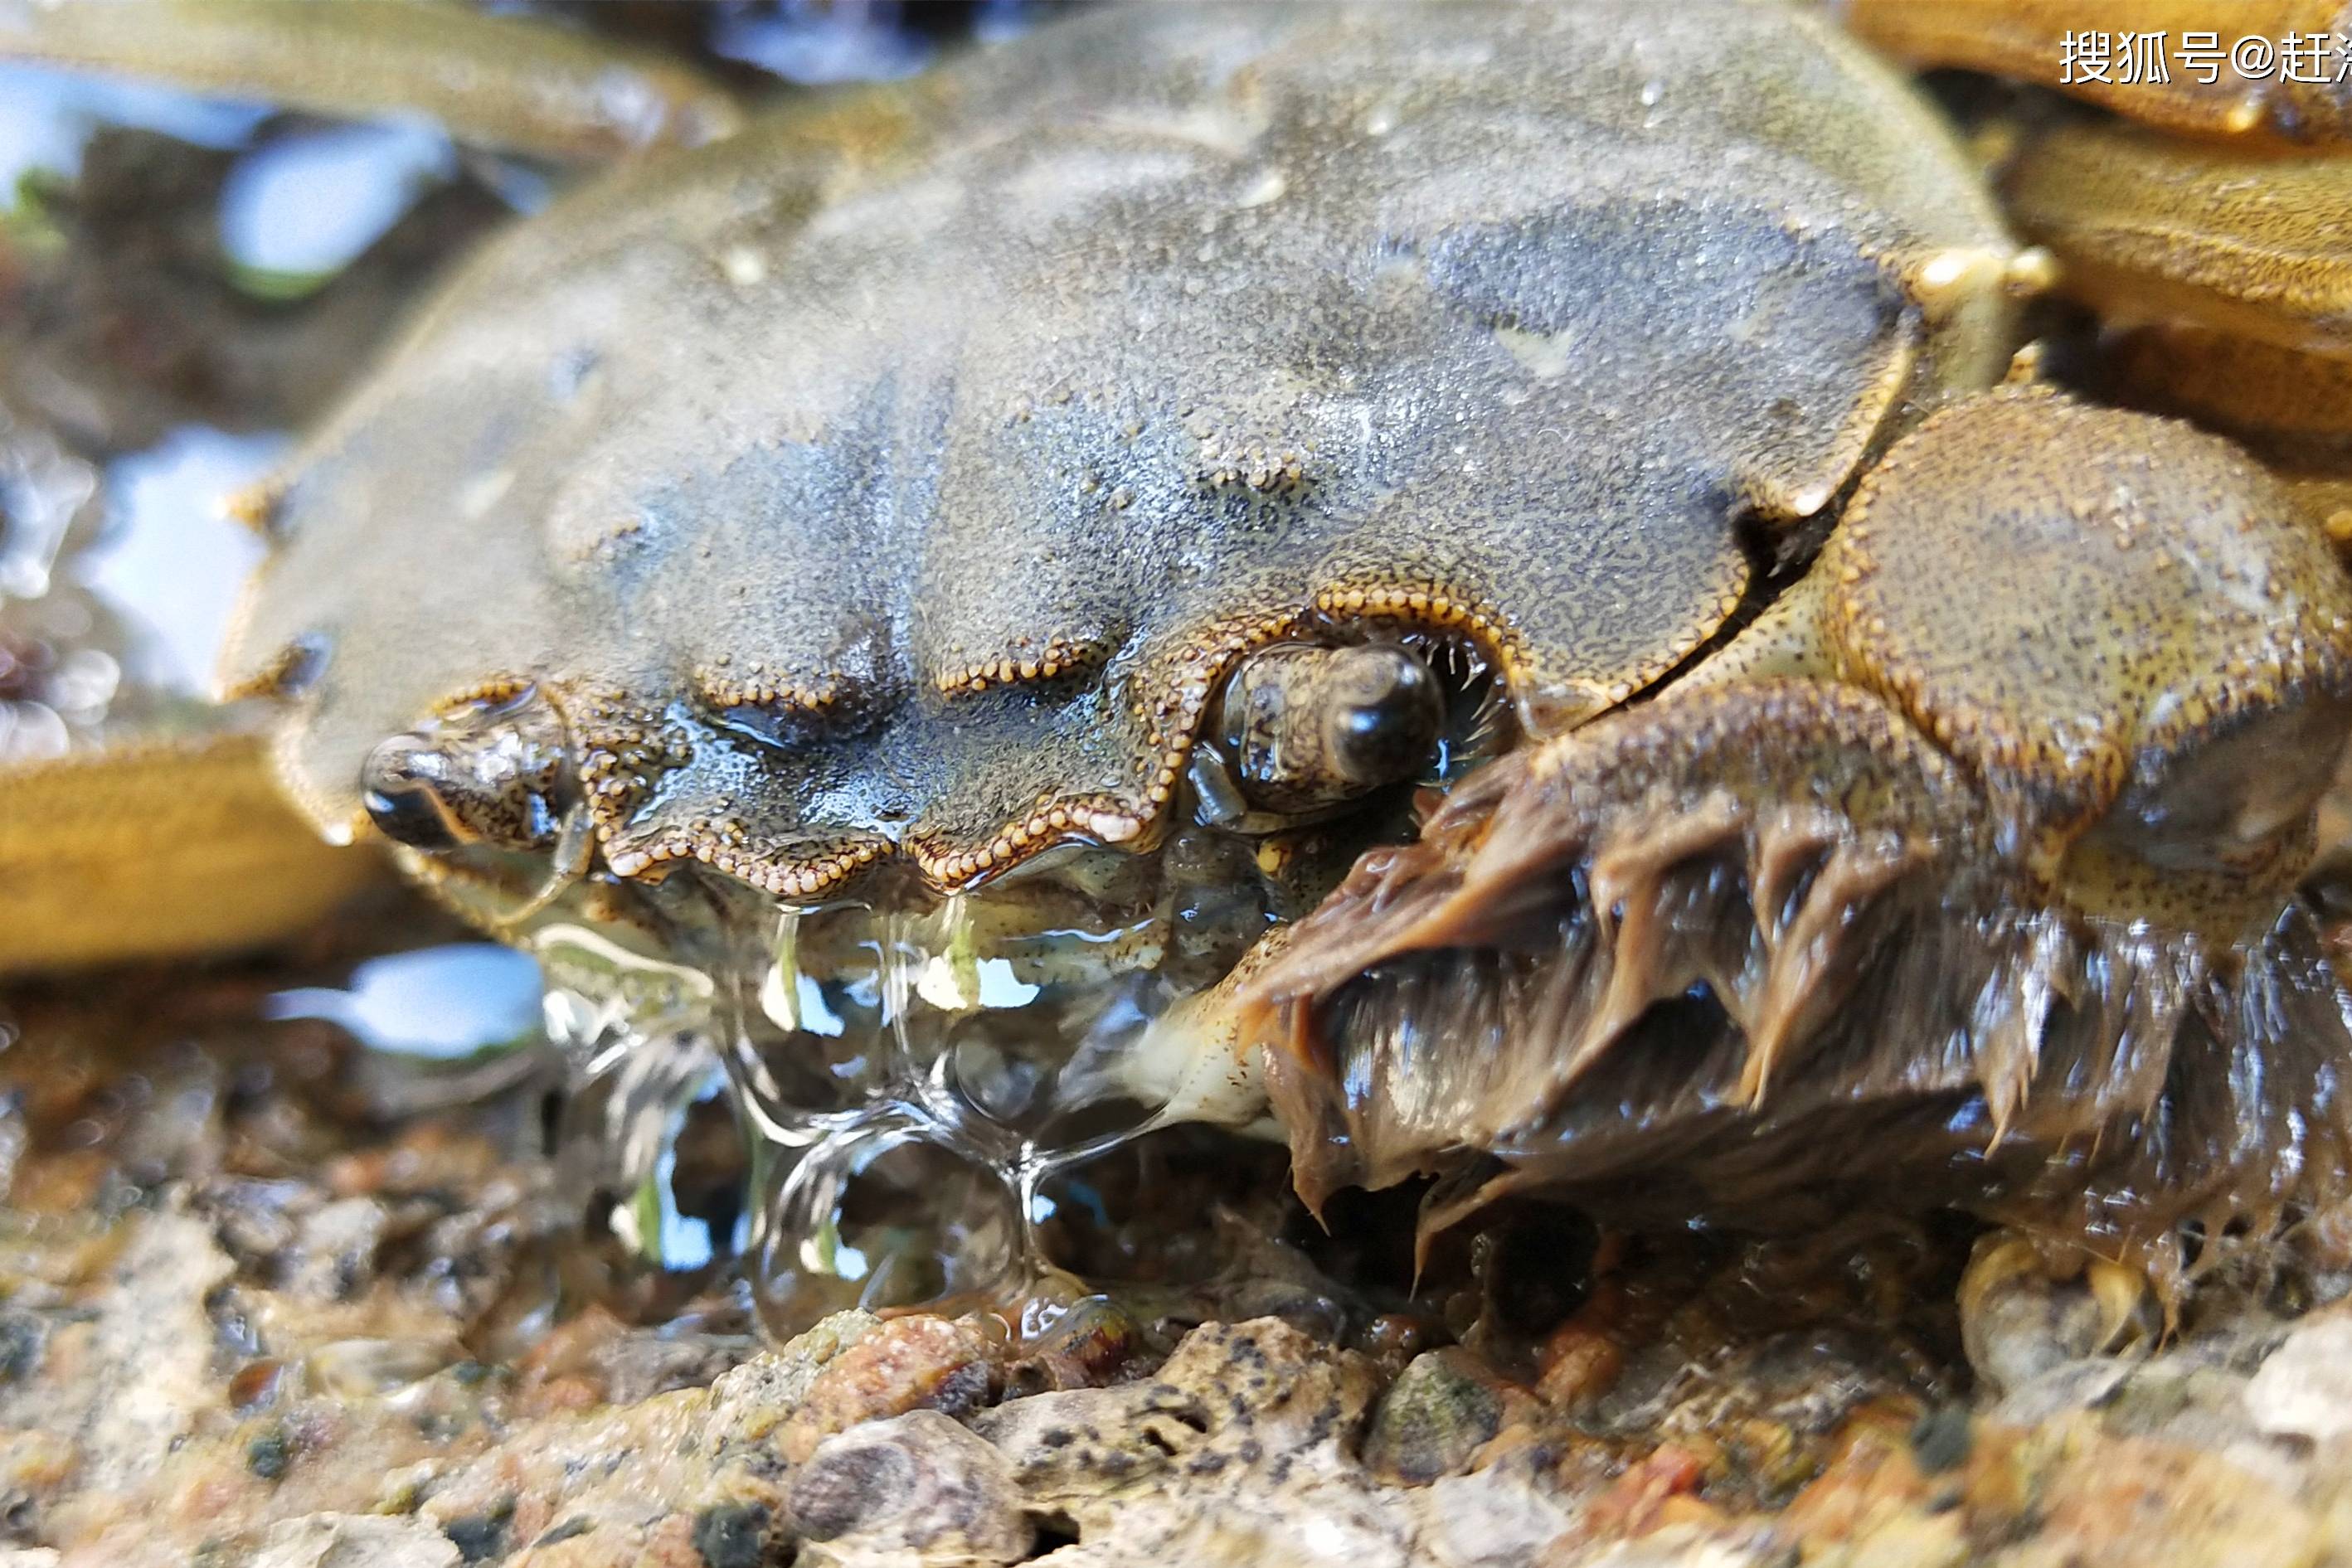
400, 796
1306, 727
493, 775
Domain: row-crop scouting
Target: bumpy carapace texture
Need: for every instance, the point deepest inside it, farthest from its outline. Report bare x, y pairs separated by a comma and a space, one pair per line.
899, 478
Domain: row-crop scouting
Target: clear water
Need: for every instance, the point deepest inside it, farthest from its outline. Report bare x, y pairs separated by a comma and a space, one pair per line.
171, 559
916, 1079
307, 204
445, 1003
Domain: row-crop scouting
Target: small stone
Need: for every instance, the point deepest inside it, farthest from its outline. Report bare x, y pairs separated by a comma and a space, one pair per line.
353, 1540
1440, 1411
1093, 1340
832, 1498
480, 1536
270, 1455
916, 1483
1941, 1439
907, 1364
2304, 1388
23, 1339
733, 1535
751, 1400
334, 1251
256, 1384
578, 1524
358, 1368
1581, 1364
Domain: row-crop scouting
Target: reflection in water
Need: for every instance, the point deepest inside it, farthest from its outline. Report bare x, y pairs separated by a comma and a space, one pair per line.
116, 626
42, 490
819, 41
921, 1085
633, 1033
170, 560
305, 205
445, 1003
58, 665
111, 633
812, 41
47, 115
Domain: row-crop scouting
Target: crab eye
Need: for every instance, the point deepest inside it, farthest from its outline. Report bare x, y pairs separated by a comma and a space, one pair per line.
1382, 716
1306, 727
495, 776
400, 797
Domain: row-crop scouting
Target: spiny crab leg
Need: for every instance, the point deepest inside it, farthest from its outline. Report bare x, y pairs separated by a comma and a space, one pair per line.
1994, 877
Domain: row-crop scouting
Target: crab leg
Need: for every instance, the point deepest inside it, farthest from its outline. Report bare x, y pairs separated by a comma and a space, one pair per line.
197, 851
499, 81
2148, 226
2285, 403
2224, 278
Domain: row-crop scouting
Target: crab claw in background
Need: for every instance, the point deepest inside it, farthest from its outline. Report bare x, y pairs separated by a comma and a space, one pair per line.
1980, 880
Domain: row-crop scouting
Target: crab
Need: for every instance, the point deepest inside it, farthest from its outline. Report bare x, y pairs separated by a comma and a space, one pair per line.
1500, 594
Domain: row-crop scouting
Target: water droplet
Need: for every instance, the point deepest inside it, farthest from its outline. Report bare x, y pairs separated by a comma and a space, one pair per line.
885, 1213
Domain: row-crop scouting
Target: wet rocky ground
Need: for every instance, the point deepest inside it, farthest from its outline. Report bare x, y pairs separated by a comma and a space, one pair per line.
269, 1296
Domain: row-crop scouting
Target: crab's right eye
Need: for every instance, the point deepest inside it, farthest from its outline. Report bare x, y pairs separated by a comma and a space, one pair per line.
1309, 727
397, 785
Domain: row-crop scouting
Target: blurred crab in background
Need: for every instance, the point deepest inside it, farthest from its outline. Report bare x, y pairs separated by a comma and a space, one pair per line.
1578, 603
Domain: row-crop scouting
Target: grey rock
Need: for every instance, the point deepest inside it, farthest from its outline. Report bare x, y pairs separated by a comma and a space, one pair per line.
914, 1483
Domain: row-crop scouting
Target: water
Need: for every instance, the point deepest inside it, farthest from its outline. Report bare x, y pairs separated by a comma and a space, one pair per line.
46, 116
171, 559
304, 206
60, 653
915, 1079
120, 570
443, 1003
813, 43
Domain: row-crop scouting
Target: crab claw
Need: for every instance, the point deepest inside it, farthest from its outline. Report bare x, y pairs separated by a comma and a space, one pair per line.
1988, 899
1606, 952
